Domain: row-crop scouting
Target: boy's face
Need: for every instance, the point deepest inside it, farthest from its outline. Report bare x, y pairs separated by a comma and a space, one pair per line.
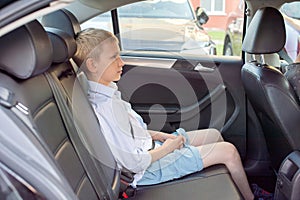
110, 63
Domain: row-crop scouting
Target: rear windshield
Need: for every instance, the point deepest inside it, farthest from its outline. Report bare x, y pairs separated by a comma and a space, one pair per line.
177, 9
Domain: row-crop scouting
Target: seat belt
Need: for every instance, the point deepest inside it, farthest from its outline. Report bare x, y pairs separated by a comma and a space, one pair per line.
126, 176
74, 65
86, 159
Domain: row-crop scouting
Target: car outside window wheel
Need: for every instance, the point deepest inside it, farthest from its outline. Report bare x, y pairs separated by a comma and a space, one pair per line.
228, 49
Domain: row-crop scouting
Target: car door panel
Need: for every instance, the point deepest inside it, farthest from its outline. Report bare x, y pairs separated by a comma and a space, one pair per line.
170, 91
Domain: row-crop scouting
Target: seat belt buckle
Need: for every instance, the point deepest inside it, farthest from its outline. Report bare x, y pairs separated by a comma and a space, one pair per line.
124, 195
128, 192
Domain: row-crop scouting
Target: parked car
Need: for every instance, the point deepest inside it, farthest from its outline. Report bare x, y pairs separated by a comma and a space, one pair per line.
234, 30
53, 147
161, 25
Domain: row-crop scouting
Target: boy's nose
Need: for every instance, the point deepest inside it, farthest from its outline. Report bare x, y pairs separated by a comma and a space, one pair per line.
121, 62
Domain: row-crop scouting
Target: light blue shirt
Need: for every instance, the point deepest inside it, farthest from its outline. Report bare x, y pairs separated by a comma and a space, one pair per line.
118, 120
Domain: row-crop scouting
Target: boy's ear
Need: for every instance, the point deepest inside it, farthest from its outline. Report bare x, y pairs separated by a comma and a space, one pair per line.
91, 66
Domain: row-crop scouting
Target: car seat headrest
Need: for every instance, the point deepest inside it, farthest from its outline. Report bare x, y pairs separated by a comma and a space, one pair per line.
266, 32
63, 20
64, 45
26, 51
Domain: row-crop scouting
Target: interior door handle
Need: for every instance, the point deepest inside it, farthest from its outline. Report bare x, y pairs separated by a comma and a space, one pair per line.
200, 67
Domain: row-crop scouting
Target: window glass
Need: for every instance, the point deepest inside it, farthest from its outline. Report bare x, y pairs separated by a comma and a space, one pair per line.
219, 5
103, 21
213, 5
174, 26
225, 25
207, 5
157, 9
162, 25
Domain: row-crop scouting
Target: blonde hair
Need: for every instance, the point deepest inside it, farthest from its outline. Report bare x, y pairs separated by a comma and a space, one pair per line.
89, 44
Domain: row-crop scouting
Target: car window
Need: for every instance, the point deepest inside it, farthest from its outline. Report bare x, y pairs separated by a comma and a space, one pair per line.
102, 21
158, 9
175, 26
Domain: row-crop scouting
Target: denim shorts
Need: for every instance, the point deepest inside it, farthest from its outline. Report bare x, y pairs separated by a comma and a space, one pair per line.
179, 163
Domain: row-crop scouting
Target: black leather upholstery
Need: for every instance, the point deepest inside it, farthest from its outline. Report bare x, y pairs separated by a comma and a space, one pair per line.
217, 175
21, 51
37, 95
292, 73
102, 166
266, 25
277, 108
64, 45
268, 89
63, 20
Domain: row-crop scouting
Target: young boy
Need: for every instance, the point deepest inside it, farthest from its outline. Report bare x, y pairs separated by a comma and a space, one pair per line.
131, 143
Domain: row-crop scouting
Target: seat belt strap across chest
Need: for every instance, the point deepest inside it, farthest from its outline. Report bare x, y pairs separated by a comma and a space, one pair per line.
86, 160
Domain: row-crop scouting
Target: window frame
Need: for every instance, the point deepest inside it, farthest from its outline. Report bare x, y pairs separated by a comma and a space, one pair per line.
213, 11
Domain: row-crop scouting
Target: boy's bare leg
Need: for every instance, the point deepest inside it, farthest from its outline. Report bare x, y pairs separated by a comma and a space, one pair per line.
226, 153
204, 136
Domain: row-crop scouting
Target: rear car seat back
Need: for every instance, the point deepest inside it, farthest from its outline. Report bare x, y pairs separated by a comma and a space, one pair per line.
34, 51
84, 121
268, 90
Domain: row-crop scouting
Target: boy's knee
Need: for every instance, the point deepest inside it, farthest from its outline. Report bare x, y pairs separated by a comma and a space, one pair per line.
216, 134
231, 152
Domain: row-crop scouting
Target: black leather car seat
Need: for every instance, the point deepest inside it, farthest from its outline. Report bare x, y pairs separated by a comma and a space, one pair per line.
35, 90
268, 89
292, 74
28, 53
177, 189
83, 130
62, 20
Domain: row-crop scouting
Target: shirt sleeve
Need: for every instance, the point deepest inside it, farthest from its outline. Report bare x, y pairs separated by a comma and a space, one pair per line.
114, 122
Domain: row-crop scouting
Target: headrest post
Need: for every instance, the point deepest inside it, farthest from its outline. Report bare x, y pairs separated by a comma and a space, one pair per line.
262, 59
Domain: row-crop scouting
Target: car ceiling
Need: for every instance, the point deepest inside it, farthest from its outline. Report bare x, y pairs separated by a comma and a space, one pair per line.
105, 5
92, 8
86, 9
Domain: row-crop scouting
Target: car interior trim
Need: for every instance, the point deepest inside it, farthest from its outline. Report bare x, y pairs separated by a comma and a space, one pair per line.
35, 15
149, 62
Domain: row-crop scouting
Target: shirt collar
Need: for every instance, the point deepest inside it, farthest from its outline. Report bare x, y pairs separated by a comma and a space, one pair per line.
109, 90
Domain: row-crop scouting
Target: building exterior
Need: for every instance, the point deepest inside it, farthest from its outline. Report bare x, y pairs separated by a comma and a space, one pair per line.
218, 11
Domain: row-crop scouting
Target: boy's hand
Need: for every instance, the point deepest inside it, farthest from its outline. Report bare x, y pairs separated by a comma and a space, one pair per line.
164, 136
171, 144
160, 136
